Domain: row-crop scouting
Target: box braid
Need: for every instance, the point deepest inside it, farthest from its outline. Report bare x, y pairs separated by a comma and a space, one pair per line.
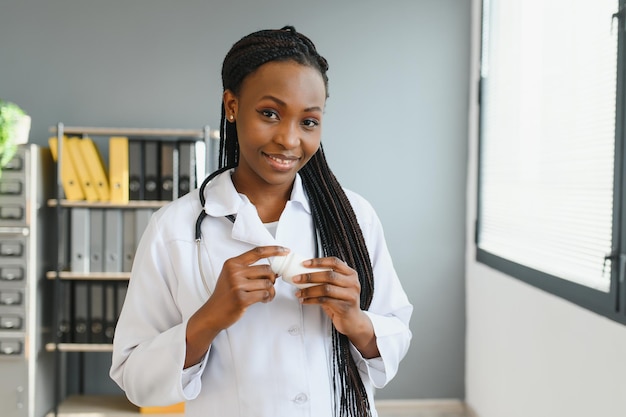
333, 216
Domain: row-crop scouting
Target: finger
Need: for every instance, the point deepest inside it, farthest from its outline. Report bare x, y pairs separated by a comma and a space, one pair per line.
316, 278
324, 293
261, 252
331, 262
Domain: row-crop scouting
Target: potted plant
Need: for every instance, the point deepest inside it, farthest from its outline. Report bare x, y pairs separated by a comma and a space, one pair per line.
14, 130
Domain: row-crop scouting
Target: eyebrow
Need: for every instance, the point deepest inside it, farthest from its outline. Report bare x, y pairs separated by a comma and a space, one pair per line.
282, 103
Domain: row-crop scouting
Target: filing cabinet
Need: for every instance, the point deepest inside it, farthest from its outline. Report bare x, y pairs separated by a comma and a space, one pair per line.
26, 369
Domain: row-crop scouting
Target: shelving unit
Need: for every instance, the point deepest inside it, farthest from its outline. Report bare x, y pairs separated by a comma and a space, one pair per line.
65, 279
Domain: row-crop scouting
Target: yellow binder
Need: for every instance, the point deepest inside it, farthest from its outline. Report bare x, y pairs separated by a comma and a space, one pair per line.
118, 168
167, 409
82, 171
69, 178
98, 174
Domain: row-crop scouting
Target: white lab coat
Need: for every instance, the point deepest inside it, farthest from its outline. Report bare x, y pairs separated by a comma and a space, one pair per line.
275, 361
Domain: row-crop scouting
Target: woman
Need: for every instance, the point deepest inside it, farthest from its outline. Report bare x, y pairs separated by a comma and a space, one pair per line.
207, 321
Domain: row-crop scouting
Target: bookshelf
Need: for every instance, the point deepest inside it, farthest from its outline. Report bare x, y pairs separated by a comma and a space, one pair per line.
97, 238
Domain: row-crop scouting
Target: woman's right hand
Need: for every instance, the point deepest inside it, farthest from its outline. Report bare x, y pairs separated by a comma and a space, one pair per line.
239, 285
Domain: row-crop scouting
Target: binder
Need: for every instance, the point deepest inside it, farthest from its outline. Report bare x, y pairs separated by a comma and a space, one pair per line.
73, 147
94, 163
65, 322
135, 170
186, 167
169, 165
191, 165
121, 290
69, 178
129, 244
80, 239
142, 218
118, 169
96, 312
81, 299
151, 170
110, 310
113, 240
96, 245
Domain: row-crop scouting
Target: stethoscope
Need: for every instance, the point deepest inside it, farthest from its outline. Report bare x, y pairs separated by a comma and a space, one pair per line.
201, 216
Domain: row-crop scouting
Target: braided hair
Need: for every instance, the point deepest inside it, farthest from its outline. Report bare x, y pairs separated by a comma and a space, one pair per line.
333, 216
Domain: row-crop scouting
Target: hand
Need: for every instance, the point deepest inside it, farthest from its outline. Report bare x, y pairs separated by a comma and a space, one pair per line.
239, 285
339, 295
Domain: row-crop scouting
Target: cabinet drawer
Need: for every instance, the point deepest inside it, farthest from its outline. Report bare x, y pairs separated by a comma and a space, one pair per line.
14, 212
11, 248
11, 273
11, 297
10, 347
11, 187
10, 322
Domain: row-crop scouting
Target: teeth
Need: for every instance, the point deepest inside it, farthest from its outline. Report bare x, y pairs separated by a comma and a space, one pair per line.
281, 161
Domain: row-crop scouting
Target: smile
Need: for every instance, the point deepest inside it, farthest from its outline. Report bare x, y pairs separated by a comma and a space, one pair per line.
281, 163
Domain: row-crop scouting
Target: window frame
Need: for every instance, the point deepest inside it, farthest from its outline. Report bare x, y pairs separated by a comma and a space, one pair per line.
612, 304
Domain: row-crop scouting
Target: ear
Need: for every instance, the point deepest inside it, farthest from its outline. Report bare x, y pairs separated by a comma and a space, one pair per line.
231, 105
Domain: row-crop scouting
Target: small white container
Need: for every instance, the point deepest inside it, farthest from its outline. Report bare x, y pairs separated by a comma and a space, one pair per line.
290, 265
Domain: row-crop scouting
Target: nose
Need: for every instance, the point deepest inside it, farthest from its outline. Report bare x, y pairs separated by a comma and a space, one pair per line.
288, 134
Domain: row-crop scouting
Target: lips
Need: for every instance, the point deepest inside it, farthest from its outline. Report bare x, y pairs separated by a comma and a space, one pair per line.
280, 162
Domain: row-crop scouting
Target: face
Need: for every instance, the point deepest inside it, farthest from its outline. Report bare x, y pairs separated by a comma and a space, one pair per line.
278, 112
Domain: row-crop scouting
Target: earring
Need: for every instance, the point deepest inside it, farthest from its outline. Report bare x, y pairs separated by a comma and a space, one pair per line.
232, 117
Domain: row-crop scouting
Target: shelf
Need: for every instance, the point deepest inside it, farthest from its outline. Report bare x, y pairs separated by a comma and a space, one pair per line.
80, 347
100, 406
90, 276
123, 131
132, 204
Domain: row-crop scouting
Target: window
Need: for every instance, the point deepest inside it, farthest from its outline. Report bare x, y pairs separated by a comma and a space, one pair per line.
551, 147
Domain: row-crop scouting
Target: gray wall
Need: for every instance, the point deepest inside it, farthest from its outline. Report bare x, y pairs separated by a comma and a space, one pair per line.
394, 130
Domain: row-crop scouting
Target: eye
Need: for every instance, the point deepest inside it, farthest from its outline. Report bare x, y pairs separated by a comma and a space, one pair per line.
270, 114
310, 123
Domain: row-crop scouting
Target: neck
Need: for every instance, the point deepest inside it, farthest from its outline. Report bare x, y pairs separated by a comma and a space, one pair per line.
269, 200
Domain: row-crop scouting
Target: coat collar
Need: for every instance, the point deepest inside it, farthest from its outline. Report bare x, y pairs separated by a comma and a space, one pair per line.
222, 199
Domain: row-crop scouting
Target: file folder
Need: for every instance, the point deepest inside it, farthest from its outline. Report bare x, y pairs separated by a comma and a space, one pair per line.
96, 312
96, 245
81, 311
129, 243
169, 154
118, 169
135, 170
110, 311
69, 178
120, 296
80, 239
93, 160
65, 315
113, 240
151, 170
186, 167
142, 218
82, 171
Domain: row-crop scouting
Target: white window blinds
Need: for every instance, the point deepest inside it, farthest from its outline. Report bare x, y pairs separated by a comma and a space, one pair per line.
547, 135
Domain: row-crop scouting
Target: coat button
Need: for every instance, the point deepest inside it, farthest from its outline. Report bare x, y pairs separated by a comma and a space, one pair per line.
300, 398
294, 330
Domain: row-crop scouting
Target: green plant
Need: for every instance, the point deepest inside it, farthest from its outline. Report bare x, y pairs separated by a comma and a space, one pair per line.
10, 115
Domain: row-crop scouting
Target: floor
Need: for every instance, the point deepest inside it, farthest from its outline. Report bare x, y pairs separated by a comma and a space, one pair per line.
422, 408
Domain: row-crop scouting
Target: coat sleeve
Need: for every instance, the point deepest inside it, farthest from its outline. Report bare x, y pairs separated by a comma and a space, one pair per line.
149, 342
390, 310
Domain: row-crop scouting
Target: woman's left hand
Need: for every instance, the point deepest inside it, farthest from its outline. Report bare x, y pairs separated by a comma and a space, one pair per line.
339, 293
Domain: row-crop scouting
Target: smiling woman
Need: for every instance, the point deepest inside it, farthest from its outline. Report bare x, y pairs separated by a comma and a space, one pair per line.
238, 340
